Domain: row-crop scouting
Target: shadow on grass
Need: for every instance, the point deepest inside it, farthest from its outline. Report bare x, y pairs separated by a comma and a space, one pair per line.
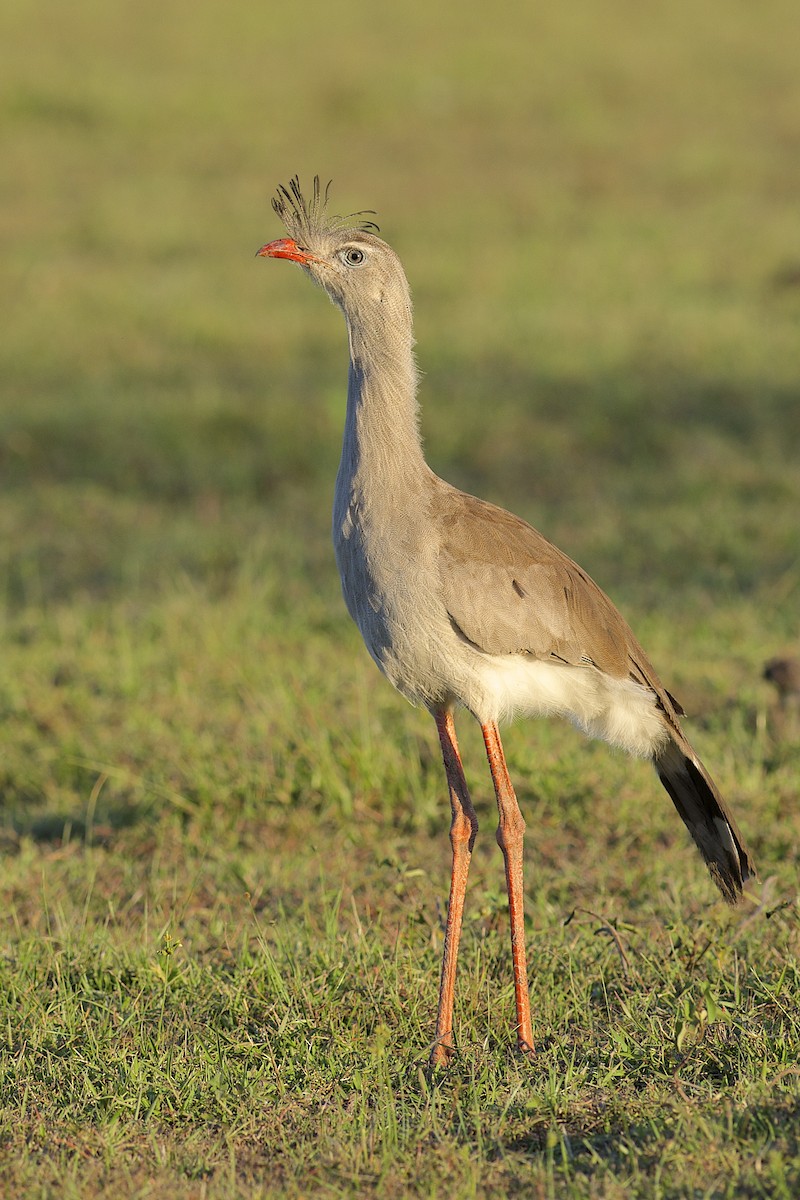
113, 497
581, 1147
60, 827
644, 415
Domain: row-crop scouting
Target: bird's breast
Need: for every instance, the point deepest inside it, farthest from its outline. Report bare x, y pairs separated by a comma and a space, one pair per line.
390, 582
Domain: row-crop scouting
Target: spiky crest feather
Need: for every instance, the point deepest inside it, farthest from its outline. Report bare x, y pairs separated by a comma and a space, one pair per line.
305, 219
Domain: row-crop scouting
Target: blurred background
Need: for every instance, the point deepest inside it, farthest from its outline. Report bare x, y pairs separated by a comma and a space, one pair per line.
597, 207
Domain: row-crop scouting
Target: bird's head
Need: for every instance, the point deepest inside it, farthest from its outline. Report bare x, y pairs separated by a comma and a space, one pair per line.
360, 273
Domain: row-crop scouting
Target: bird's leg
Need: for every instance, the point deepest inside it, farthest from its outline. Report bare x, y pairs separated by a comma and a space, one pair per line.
463, 828
510, 833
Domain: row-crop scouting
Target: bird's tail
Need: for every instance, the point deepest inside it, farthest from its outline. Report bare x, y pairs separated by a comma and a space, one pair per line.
707, 818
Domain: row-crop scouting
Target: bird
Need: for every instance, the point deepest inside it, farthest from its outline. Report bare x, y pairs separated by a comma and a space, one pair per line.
784, 674
463, 605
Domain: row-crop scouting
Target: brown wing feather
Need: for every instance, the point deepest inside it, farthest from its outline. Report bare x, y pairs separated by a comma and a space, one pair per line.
511, 591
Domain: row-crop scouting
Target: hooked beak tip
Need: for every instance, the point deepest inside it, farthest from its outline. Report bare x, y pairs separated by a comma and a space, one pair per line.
285, 248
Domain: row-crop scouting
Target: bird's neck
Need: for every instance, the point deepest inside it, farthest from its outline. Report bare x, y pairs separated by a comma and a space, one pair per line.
382, 446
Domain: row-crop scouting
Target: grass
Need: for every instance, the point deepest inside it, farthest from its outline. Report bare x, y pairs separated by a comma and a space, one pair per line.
224, 837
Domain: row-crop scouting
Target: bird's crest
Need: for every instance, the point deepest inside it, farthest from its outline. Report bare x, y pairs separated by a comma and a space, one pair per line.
305, 218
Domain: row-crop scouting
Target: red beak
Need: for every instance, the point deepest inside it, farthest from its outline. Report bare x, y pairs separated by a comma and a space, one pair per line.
286, 248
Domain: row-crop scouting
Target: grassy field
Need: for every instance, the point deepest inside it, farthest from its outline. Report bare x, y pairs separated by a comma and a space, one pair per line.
224, 838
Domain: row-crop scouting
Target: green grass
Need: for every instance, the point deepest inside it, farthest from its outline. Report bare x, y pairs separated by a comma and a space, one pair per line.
224, 838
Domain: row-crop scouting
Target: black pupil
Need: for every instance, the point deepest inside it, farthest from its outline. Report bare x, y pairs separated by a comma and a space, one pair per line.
355, 256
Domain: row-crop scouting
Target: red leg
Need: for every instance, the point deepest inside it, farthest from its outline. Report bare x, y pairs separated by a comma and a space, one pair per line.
463, 828
510, 832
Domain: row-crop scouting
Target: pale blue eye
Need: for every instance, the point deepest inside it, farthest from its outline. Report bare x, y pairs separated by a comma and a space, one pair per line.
353, 256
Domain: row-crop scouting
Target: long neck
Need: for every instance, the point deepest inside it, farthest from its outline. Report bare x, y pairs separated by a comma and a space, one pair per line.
382, 447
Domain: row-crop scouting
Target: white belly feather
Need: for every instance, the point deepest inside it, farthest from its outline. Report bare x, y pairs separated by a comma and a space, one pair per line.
619, 711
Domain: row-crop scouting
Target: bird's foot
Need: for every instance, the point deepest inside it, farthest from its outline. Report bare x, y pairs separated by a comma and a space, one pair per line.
442, 1054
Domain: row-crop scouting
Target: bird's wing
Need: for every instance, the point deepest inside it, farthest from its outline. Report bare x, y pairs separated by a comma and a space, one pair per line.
508, 590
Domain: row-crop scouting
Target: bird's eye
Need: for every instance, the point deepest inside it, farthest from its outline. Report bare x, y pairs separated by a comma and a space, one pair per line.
353, 256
